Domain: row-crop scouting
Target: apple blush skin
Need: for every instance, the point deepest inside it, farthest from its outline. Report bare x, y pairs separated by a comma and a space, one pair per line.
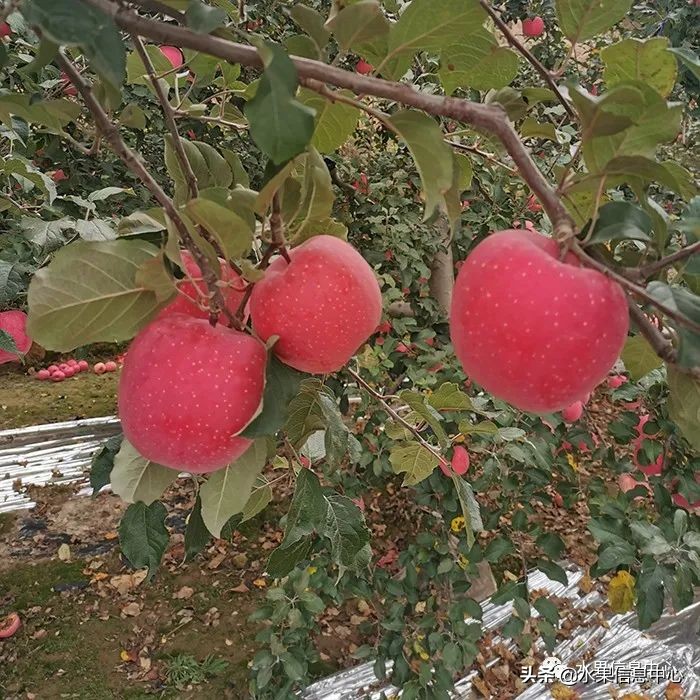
14, 323
187, 389
534, 331
323, 305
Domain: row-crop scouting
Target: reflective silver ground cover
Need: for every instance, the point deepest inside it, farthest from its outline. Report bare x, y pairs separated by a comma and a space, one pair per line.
61, 453
55, 453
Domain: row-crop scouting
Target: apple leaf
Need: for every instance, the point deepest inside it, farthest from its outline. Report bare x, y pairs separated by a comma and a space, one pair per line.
202, 18
339, 442
305, 414
196, 534
283, 560
431, 25
639, 357
480, 63
280, 126
72, 23
358, 23
226, 491
414, 460
433, 157
531, 128
583, 19
136, 73
621, 220
133, 117
103, 463
135, 478
312, 23
281, 386
646, 60
427, 412
688, 58
259, 498
143, 536
335, 121
684, 404
7, 344
449, 397
233, 234
470, 507
103, 304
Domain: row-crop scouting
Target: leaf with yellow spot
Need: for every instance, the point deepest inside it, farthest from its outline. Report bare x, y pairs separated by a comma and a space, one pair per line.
572, 461
458, 524
462, 561
260, 583
621, 592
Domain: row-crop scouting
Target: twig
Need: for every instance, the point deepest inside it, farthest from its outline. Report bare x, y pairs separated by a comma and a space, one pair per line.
491, 118
630, 286
132, 161
169, 115
157, 6
682, 254
662, 346
482, 154
277, 227
518, 46
376, 395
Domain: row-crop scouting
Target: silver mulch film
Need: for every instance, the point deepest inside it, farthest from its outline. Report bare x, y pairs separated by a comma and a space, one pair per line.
61, 453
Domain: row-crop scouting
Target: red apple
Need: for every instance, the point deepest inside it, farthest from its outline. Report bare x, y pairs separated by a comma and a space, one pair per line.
384, 327
187, 389
9, 626
14, 323
533, 26
59, 176
43, 374
63, 366
173, 54
616, 381
72, 362
99, 368
363, 68
190, 292
459, 463
110, 366
323, 305
58, 376
533, 205
573, 412
68, 87
52, 368
535, 331
84, 366
5, 30
403, 348
68, 372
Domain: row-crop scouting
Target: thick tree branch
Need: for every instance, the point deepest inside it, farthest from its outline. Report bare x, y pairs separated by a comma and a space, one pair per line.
518, 46
133, 162
169, 115
489, 118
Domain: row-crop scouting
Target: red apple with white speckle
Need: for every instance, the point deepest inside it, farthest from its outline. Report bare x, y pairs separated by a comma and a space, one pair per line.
14, 323
323, 305
533, 27
187, 389
190, 290
535, 331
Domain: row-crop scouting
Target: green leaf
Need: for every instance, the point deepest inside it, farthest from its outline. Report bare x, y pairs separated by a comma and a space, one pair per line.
338, 440
227, 491
133, 117
449, 397
95, 230
283, 560
497, 549
281, 386
280, 126
428, 25
48, 235
103, 463
672, 175
305, 414
433, 157
531, 128
136, 73
72, 23
470, 507
312, 23
345, 528
650, 596
621, 220
426, 412
135, 478
202, 18
484, 427
645, 60
358, 23
639, 357
307, 511
414, 460
143, 536
583, 19
7, 344
335, 121
259, 499
684, 404
547, 610
688, 58
479, 62
231, 232
101, 304
552, 571
196, 534
551, 544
